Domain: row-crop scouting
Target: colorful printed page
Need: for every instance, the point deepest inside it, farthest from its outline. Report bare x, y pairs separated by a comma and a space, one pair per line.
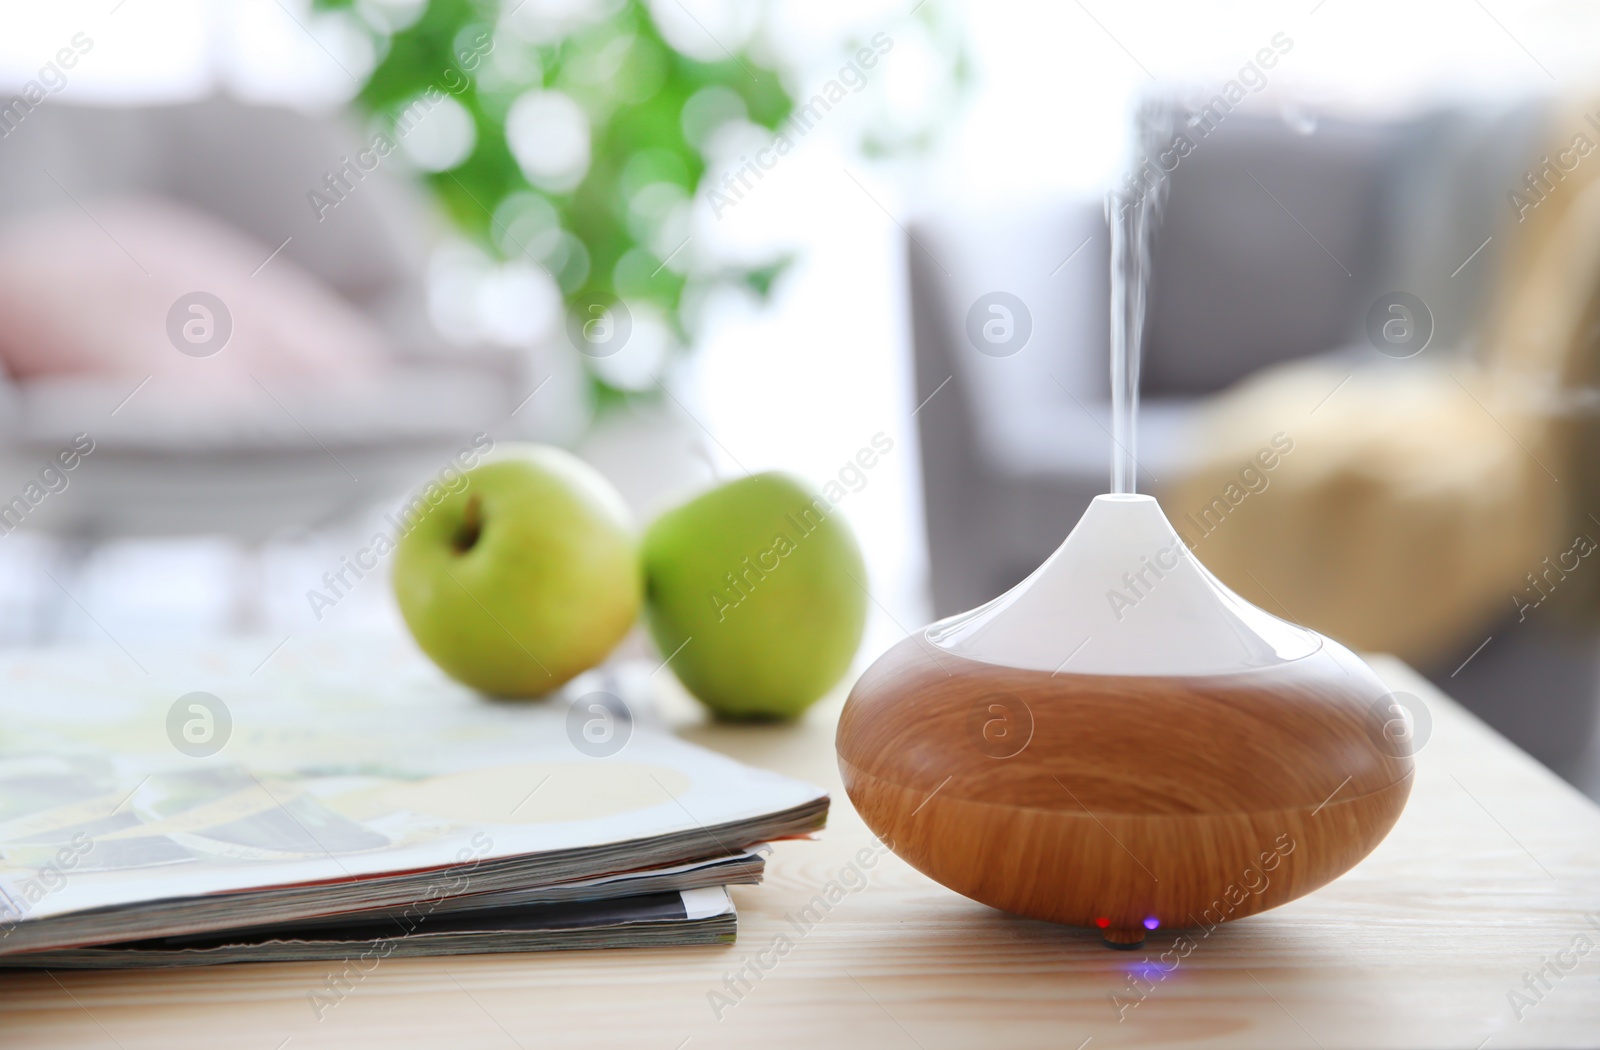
205, 770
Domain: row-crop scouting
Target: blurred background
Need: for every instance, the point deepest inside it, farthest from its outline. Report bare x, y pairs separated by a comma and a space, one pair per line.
267, 265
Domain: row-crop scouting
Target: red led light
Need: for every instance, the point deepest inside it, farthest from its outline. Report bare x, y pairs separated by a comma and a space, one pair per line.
1102, 923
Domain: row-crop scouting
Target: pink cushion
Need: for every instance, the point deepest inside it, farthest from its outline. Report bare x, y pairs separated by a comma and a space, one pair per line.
89, 293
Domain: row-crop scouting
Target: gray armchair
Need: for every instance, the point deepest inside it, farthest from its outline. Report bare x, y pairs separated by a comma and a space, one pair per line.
1273, 244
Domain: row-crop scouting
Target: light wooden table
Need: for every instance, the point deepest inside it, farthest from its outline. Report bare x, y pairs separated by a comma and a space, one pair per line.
1492, 872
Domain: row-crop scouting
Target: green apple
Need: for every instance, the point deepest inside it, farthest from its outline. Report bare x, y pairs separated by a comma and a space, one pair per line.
756, 590
524, 576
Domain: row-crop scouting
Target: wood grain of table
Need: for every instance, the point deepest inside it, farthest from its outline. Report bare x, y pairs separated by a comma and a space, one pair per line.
1492, 872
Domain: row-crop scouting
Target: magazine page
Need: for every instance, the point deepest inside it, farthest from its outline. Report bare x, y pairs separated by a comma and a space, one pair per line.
208, 770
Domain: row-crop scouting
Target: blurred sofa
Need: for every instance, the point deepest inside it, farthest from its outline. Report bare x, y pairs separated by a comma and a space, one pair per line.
1278, 236
164, 461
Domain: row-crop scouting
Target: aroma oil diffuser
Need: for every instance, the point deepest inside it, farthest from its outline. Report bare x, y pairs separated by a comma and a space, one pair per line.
1120, 741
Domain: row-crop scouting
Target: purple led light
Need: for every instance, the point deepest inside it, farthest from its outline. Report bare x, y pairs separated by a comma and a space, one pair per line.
1151, 923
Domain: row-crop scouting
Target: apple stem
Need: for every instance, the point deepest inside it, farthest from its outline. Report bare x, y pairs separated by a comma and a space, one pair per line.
471, 527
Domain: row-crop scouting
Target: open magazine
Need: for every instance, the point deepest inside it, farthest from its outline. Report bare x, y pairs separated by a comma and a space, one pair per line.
203, 806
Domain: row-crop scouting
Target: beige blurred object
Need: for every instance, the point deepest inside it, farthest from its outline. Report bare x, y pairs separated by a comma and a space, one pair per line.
1420, 494
1401, 518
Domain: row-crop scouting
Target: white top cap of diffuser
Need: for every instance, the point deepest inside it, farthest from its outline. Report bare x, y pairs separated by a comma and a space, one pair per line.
1123, 595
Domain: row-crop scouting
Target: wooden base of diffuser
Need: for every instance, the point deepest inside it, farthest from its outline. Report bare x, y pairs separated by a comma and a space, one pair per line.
1124, 802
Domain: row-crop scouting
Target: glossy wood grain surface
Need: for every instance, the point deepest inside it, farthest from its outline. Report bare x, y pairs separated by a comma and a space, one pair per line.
1124, 801
1488, 874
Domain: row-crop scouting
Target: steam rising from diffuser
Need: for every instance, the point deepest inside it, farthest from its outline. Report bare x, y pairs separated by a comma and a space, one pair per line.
1123, 594
1132, 224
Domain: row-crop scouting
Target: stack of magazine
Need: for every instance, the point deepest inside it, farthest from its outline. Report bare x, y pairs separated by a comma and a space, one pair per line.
342, 801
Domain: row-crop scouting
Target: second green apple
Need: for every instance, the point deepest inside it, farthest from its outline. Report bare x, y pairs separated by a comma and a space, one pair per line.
757, 591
